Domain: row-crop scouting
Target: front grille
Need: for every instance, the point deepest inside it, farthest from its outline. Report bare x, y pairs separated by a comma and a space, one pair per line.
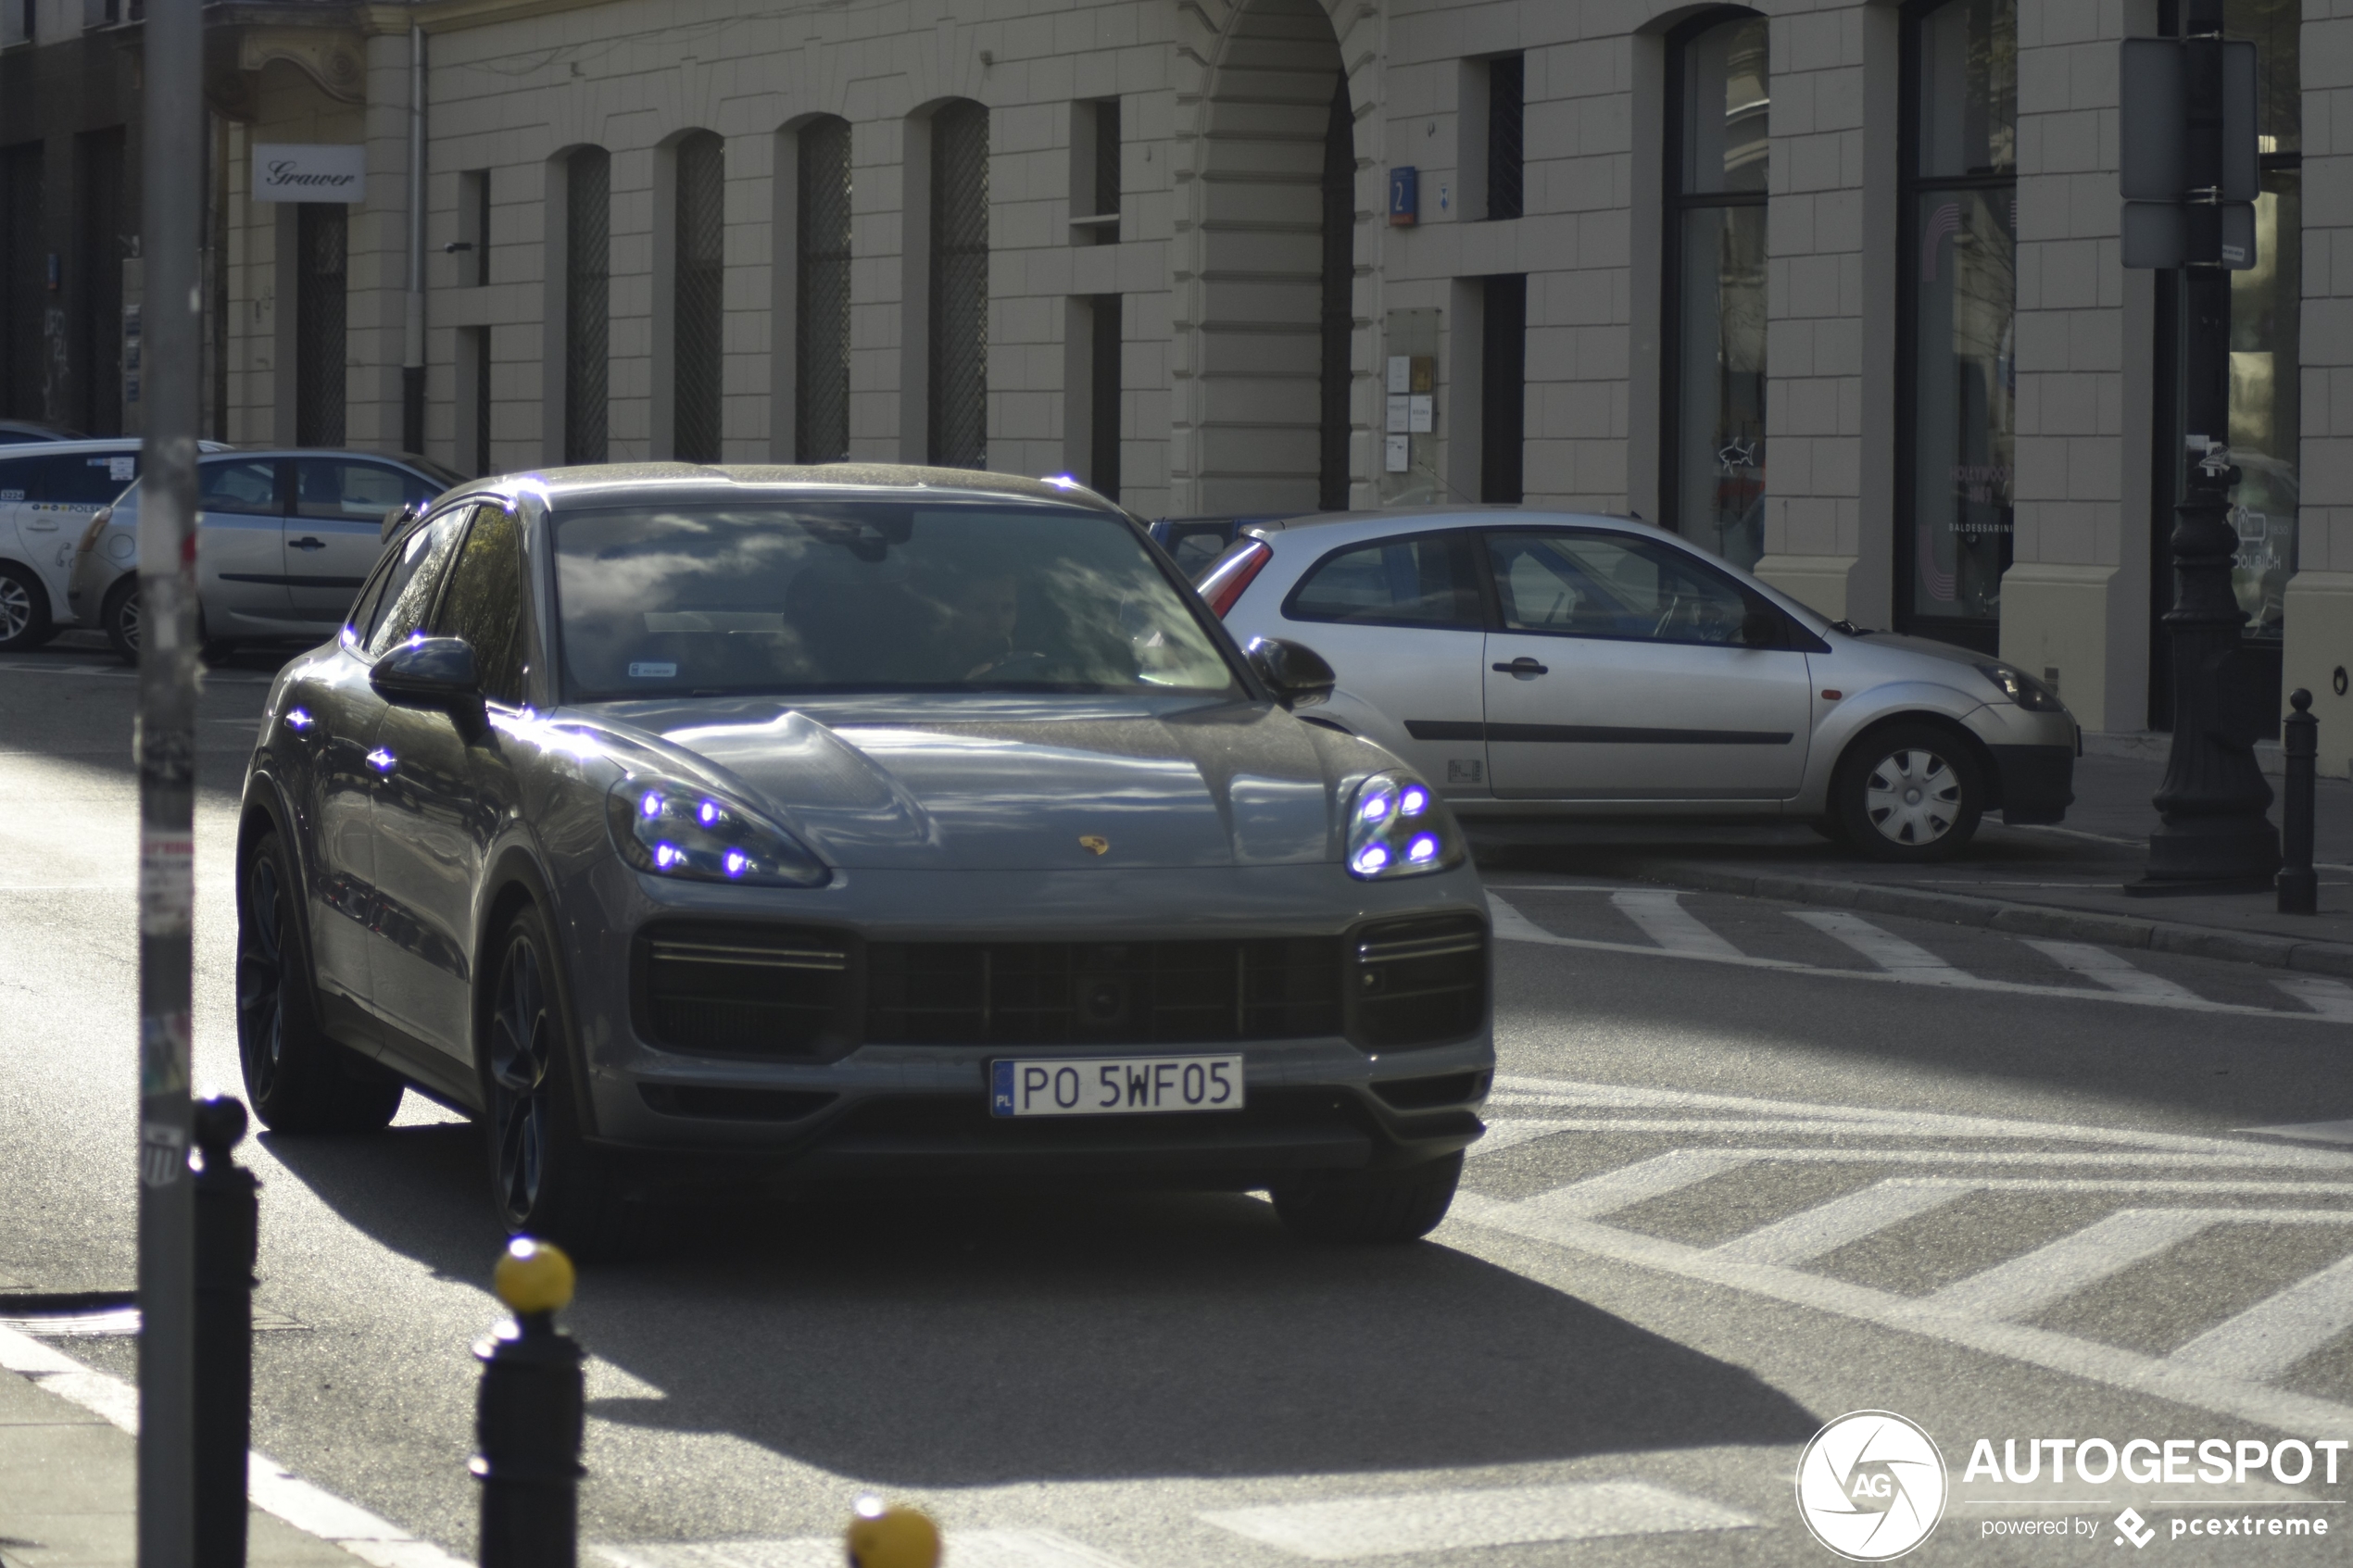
1419, 982
1107, 993
740, 990
733, 1104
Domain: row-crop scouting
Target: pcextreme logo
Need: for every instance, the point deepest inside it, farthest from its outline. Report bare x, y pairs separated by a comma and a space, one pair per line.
1870, 1485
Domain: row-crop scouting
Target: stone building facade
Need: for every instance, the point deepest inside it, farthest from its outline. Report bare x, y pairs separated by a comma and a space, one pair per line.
1832, 286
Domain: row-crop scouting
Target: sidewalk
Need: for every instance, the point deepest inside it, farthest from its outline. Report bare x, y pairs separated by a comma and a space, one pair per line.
2064, 882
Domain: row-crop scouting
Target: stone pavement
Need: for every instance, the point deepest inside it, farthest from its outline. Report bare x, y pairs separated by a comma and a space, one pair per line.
2066, 881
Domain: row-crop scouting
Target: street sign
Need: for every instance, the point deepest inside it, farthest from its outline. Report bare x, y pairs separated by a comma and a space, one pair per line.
2154, 172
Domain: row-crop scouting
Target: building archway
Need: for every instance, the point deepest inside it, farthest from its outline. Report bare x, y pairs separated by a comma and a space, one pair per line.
1265, 424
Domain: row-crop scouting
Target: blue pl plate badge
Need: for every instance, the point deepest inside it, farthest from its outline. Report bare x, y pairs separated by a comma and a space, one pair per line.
1001, 1088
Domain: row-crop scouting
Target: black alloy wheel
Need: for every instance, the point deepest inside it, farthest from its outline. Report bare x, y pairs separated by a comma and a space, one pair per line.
547, 1181
24, 611
296, 1079
119, 618
1383, 1206
1908, 792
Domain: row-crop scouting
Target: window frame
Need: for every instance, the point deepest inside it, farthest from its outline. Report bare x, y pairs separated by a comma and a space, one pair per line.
482, 506
1796, 638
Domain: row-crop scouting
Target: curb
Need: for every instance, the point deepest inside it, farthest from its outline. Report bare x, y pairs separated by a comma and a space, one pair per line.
2002, 914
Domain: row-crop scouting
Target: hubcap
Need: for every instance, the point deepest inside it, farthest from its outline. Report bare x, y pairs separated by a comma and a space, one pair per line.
521, 1039
16, 609
1912, 798
126, 619
262, 980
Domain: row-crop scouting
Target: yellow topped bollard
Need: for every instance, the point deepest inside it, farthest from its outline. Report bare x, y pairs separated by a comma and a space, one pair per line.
882, 1536
533, 1277
531, 1416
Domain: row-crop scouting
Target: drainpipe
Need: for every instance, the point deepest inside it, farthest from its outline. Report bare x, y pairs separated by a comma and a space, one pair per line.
412, 358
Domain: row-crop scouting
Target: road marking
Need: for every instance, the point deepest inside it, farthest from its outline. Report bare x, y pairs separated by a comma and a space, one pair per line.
2111, 970
1662, 918
2042, 1278
1828, 1226
1510, 925
1638, 1183
2330, 998
1456, 1521
2320, 1132
272, 1486
2272, 1335
1884, 948
965, 1549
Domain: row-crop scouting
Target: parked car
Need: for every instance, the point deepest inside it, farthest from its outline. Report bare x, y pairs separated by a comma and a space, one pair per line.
1194, 542
17, 431
1538, 667
284, 539
675, 812
48, 492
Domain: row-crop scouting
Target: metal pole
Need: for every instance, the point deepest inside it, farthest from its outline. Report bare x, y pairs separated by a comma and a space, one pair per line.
172, 175
2300, 740
412, 355
2215, 834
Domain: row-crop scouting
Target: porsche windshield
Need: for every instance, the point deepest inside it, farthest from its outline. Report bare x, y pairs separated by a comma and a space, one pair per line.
857, 595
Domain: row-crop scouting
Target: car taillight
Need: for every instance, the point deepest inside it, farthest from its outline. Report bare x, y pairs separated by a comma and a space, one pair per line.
1224, 583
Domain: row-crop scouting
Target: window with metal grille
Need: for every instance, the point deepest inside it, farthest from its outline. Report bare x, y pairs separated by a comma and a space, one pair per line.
958, 388
322, 232
698, 266
587, 323
1502, 391
1506, 97
1339, 296
1102, 471
21, 282
821, 295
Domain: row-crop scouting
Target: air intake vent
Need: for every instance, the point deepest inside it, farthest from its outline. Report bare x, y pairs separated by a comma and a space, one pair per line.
1419, 982
1107, 993
727, 990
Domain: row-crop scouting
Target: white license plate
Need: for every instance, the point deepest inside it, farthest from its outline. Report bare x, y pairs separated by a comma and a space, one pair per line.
1118, 1086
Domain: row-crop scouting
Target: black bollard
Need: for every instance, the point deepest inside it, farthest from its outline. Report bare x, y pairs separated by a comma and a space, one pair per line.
528, 1423
228, 1245
2300, 743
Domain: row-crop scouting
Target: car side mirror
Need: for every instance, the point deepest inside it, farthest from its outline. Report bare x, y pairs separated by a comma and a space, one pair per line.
1296, 673
1763, 629
433, 672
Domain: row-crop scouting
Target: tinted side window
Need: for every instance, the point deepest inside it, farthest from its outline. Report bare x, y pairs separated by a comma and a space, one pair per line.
340, 490
1423, 582
408, 591
248, 487
74, 478
1612, 585
483, 603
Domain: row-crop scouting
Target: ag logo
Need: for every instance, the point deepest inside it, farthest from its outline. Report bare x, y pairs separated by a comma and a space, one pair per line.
1870, 1485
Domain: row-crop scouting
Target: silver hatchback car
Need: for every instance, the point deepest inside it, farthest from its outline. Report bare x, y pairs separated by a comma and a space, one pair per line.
1541, 666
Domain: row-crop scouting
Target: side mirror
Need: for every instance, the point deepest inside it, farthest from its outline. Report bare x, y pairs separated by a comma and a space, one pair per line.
1762, 628
1296, 673
432, 672
398, 516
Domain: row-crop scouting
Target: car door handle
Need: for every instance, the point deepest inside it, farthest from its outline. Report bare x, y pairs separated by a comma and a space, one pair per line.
305, 543
1523, 666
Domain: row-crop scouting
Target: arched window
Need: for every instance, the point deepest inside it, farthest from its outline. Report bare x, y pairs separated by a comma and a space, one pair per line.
1961, 277
587, 316
1339, 317
958, 390
697, 298
821, 293
1718, 123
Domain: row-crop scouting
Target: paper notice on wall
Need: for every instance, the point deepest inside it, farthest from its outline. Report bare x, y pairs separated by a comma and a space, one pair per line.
1419, 413
1400, 454
1398, 416
1401, 373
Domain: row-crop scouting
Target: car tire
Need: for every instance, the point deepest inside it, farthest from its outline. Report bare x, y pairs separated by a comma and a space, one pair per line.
297, 1080
24, 611
1388, 1207
1908, 792
547, 1181
119, 618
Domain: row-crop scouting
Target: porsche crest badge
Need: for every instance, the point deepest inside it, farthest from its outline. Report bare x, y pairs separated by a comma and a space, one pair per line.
1093, 844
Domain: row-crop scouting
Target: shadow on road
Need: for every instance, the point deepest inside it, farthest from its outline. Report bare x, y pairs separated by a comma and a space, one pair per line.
958, 1340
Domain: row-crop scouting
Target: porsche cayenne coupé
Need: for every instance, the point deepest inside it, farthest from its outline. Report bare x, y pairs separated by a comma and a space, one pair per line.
755, 824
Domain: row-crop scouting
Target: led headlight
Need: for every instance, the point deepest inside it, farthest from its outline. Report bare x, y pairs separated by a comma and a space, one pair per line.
2022, 688
672, 829
1397, 828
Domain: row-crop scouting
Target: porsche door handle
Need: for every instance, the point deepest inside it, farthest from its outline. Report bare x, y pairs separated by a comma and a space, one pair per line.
1523, 666
305, 543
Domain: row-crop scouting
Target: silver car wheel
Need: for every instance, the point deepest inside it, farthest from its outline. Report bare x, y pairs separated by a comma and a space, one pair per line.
1913, 798
126, 619
16, 609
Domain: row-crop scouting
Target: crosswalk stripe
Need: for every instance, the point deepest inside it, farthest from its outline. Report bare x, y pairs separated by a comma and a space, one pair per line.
1826, 1228
1387, 1527
2050, 1274
965, 1549
1522, 1129
2276, 1333
1662, 918
1638, 1183
2113, 971
2330, 998
1884, 948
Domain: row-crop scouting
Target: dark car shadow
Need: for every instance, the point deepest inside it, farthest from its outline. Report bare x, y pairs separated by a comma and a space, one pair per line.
964, 1337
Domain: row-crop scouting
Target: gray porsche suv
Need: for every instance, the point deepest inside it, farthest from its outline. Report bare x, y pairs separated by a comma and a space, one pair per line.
688, 823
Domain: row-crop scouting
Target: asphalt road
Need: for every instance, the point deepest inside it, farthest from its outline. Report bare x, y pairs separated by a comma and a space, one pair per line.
1751, 1168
